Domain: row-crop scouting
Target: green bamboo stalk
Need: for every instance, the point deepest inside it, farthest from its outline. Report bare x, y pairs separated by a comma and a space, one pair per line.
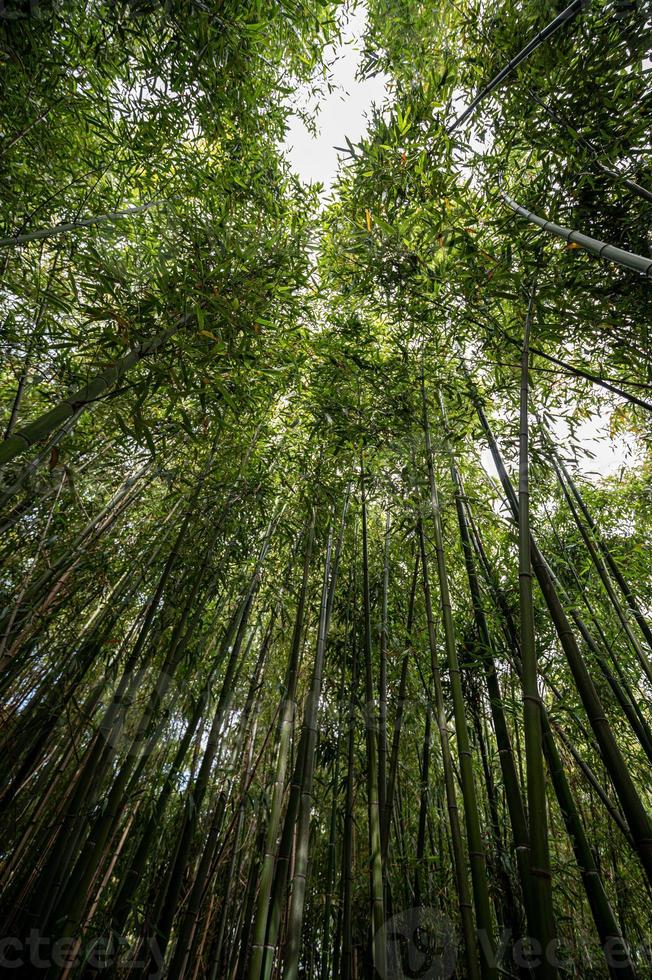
631, 185
509, 631
382, 687
297, 899
614, 947
599, 564
419, 870
583, 373
474, 835
542, 918
132, 874
331, 860
471, 954
282, 866
285, 847
624, 586
613, 944
515, 806
195, 799
630, 260
636, 816
378, 949
563, 18
101, 750
398, 719
242, 755
47, 423
288, 707
62, 229
622, 694
348, 831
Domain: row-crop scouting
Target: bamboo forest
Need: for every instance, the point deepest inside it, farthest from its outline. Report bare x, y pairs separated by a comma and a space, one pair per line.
326, 551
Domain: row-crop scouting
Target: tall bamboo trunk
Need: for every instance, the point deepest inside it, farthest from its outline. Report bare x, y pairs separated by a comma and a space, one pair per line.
297, 900
472, 820
398, 719
420, 884
541, 913
348, 831
472, 960
613, 944
382, 690
378, 943
516, 808
288, 709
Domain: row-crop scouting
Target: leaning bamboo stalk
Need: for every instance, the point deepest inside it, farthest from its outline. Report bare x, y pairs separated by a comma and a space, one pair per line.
599, 565
190, 918
424, 794
630, 260
636, 816
102, 383
617, 955
285, 853
122, 499
201, 785
331, 861
398, 718
554, 114
566, 15
99, 219
509, 631
101, 751
382, 686
471, 955
608, 385
134, 870
378, 949
624, 586
349, 815
613, 944
621, 692
73, 954
515, 806
288, 708
297, 900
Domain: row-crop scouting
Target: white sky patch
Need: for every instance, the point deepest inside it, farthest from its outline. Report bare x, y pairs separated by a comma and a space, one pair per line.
609, 455
340, 113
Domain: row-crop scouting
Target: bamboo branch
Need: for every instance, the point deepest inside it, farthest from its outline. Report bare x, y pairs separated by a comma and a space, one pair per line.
98, 219
566, 15
630, 260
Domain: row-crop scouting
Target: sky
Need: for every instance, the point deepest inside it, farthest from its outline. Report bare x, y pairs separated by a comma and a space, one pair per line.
609, 456
343, 113
340, 113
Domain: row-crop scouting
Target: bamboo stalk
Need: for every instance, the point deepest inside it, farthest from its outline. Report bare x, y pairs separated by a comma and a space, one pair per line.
630, 260
542, 919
